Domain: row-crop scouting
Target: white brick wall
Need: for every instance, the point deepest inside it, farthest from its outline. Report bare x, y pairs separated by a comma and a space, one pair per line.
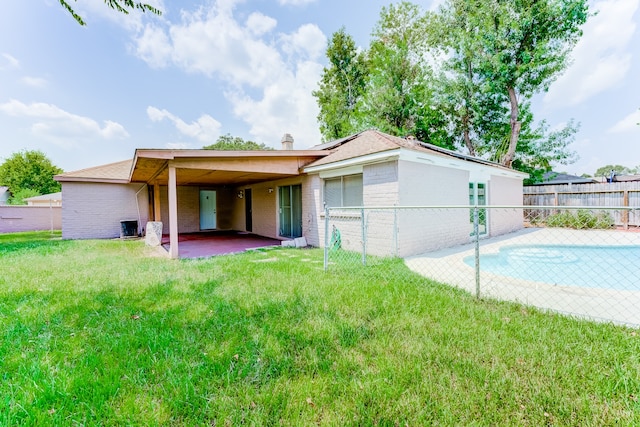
94, 210
506, 192
405, 183
429, 229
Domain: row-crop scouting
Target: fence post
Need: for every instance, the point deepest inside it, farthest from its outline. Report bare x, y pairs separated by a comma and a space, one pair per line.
625, 213
51, 214
476, 233
364, 238
395, 230
326, 238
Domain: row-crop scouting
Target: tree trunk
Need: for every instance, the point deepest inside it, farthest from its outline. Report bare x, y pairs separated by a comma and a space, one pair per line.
467, 136
507, 160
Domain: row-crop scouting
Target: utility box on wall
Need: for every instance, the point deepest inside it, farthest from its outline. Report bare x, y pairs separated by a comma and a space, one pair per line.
128, 229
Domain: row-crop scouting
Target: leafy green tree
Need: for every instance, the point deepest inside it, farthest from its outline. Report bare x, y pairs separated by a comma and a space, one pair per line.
124, 6
18, 197
231, 143
463, 77
618, 169
400, 98
520, 48
29, 170
341, 88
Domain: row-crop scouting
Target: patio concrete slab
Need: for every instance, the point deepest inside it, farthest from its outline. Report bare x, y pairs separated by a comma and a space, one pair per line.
207, 244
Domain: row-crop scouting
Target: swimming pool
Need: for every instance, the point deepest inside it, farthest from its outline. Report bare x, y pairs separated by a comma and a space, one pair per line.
610, 267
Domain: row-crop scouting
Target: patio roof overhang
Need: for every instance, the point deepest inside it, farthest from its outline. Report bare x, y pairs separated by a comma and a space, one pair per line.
208, 167
175, 168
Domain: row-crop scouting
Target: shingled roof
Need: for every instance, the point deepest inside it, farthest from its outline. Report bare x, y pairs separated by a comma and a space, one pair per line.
117, 173
373, 141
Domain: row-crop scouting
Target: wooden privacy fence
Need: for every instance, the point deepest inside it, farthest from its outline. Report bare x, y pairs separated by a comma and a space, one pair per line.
615, 194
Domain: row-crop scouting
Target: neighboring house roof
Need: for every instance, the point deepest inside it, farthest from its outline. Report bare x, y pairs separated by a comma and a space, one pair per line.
45, 197
626, 178
552, 178
113, 172
372, 142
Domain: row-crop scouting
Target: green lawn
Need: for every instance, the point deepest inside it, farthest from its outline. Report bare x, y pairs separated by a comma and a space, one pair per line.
105, 333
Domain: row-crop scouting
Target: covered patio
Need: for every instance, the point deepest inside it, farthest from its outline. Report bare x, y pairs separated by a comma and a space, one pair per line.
240, 219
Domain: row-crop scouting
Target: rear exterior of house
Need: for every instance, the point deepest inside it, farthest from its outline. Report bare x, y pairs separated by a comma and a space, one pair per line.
96, 200
389, 171
283, 194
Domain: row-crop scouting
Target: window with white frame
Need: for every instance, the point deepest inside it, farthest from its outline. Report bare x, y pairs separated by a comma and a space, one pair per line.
478, 197
343, 191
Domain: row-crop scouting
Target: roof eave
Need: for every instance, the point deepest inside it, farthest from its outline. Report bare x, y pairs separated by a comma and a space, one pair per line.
96, 180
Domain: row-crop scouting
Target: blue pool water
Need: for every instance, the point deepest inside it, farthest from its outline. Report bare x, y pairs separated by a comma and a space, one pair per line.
612, 267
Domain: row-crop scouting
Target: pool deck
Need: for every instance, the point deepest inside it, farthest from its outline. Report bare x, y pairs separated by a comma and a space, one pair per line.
617, 306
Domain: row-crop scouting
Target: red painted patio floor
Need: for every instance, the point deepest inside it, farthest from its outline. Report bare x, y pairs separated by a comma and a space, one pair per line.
207, 244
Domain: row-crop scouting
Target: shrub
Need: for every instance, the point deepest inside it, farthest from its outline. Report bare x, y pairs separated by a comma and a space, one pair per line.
582, 219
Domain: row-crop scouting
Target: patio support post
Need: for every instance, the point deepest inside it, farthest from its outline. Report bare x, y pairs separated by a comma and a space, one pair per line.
157, 216
173, 213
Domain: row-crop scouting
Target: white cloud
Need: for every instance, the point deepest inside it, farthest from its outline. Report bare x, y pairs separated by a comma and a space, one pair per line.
61, 127
627, 124
259, 24
285, 107
268, 78
602, 57
205, 129
153, 47
34, 81
308, 41
7, 61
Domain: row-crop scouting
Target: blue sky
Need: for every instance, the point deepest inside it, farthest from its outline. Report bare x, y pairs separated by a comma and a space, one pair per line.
91, 95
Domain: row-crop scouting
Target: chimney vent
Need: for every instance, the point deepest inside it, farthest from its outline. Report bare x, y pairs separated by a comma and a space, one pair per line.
287, 142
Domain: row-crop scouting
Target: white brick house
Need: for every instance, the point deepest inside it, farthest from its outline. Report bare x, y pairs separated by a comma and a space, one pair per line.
282, 194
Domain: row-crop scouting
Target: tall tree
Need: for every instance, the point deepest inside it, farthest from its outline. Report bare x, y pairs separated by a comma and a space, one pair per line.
29, 170
400, 95
341, 87
123, 6
235, 143
521, 47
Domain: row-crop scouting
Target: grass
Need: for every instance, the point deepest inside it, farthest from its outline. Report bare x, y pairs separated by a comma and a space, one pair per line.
104, 333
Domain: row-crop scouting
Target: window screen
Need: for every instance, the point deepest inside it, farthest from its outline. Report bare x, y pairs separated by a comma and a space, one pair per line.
352, 190
343, 191
333, 192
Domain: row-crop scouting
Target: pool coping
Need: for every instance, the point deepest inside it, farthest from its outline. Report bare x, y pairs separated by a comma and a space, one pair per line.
617, 306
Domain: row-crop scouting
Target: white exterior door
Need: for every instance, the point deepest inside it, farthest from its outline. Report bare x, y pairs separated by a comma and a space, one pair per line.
207, 210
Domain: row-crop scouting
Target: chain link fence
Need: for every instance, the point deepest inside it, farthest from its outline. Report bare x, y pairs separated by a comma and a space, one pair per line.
582, 261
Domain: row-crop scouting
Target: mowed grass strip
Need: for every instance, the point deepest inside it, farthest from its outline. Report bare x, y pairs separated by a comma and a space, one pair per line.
105, 333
